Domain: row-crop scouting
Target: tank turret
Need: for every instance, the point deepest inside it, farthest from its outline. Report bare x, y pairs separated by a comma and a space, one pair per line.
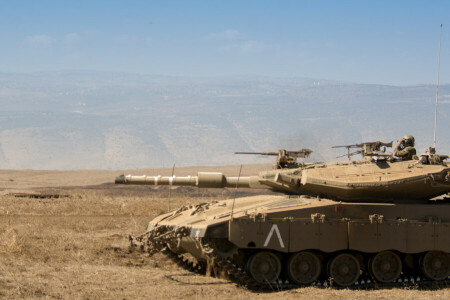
380, 180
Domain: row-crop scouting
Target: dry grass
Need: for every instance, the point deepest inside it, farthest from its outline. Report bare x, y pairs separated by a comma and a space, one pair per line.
10, 242
77, 248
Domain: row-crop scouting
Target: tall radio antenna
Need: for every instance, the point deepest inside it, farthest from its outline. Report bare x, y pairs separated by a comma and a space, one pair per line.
437, 89
171, 179
235, 191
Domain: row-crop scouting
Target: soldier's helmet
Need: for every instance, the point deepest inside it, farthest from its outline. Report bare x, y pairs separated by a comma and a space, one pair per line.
409, 140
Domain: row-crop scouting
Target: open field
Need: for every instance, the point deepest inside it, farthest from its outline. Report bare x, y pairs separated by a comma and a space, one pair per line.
76, 246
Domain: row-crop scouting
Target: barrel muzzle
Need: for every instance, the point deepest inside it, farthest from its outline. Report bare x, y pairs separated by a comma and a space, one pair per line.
120, 179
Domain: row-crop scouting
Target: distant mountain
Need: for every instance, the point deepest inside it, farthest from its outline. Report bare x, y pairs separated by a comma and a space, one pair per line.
94, 120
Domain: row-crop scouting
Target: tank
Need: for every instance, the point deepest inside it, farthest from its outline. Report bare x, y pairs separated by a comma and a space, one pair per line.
375, 221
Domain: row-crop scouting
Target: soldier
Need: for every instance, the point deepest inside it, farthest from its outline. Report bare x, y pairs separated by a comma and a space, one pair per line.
405, 148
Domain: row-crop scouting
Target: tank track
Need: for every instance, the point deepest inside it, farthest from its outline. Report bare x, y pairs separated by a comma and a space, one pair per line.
239, 276
185, 262
158, 240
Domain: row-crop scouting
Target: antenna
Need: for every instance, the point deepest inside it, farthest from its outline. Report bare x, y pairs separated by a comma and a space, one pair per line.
235, 191
437, 89
170, 187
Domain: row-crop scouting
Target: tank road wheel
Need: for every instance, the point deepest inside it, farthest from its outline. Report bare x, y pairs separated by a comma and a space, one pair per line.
264, 267
435, 265
304, 267
385, 266
344, 269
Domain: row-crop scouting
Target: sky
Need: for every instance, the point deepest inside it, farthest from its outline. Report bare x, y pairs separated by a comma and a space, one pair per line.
374, 42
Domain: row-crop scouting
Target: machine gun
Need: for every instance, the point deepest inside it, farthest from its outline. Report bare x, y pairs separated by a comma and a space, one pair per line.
430, 157
366, 149
286, 159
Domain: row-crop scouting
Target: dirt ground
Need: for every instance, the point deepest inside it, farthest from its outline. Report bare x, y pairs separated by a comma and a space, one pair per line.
76, 246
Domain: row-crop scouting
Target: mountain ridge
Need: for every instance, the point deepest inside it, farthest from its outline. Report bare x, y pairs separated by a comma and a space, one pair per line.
92, 120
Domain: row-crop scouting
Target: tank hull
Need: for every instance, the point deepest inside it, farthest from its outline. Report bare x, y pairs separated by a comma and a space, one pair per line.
286, 229
290, 224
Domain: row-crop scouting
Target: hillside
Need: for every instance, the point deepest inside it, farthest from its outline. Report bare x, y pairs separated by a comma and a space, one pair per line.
89, 120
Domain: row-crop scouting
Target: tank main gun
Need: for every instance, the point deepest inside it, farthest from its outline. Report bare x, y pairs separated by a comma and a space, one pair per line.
286, 159
384, 180
368, 149
202, 180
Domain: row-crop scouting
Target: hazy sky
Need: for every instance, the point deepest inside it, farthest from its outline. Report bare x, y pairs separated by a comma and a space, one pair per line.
389, 42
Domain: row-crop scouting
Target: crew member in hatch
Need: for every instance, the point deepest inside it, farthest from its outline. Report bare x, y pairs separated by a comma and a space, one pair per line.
405, 148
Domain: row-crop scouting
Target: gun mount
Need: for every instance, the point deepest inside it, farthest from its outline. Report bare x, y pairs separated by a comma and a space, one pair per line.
286, 159
430, 157
367, 150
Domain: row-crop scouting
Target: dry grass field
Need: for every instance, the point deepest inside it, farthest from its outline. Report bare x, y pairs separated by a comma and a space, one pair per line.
76, 246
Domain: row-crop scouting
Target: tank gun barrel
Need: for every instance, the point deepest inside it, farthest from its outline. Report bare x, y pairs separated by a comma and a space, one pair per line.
305, 152
368, 149
376, 144
258, 153
202, 180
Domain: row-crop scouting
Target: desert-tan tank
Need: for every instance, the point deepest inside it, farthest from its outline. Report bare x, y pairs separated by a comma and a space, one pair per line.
352, 223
